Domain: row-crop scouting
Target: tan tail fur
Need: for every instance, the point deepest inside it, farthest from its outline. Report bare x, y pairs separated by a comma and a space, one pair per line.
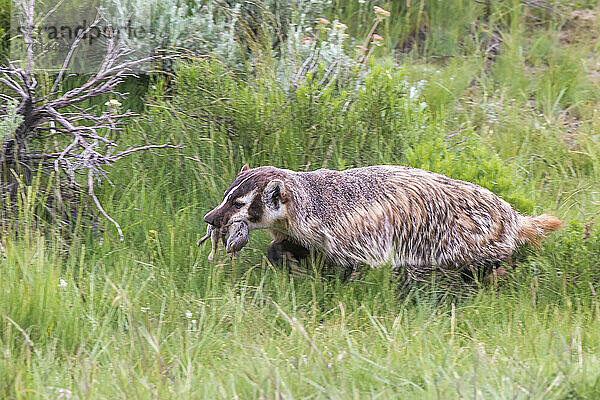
535, 228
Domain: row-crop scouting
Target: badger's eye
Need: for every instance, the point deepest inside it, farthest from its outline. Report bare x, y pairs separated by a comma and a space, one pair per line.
238, 204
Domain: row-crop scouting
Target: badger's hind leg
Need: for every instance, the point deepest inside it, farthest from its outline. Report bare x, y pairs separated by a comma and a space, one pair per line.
353, 273
485, 272
286, 251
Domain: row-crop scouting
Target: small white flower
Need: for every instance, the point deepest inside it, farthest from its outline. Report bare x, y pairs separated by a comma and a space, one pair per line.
188, 315
144, 309
62, 282
339, 25
413, 93
381, 13
113, 103
63, 393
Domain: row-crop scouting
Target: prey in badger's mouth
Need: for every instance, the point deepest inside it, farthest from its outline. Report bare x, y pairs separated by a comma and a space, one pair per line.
234, 235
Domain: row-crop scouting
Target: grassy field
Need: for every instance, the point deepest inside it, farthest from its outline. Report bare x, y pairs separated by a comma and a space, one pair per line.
497, 93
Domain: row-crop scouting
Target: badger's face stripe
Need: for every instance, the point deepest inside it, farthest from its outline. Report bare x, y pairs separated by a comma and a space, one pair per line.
239, 187
244, 200
239, 202
233, 209
256, 210
241, 206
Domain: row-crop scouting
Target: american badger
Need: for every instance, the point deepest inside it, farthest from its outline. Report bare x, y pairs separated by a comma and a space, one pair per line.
414, 219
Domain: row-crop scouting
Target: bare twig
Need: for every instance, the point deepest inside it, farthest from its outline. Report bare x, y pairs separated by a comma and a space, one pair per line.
88, 138
127, 152
100, 208
79, 38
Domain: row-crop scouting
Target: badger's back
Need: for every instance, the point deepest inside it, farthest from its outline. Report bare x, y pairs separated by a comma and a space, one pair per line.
405, 215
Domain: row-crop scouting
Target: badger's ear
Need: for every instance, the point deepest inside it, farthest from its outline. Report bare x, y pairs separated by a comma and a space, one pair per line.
244, 168
274, 194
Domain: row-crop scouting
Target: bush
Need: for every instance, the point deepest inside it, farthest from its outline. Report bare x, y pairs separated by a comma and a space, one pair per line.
383, 119
234, 30
4, 28
9, 122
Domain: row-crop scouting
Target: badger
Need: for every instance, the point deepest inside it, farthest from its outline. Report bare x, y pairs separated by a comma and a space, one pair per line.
413, 219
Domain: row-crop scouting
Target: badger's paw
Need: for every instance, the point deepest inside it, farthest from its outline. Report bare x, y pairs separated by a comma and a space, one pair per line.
286, 251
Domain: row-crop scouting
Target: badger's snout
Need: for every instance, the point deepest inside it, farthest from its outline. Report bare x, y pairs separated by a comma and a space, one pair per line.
211, 219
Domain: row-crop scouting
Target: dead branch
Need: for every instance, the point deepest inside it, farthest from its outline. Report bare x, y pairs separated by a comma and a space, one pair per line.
87, 138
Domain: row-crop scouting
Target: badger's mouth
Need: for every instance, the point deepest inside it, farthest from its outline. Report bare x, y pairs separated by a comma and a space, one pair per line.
235, 235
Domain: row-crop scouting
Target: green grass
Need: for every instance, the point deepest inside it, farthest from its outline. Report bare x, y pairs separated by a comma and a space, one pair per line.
152, 318
119, 328
4, 28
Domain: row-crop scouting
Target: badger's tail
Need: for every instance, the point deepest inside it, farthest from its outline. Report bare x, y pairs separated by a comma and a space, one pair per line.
535, 228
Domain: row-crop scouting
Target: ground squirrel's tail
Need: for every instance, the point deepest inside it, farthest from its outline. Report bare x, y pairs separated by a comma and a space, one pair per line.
535, 228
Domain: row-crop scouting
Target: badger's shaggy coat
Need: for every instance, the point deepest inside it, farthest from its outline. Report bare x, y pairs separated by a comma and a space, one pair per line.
413, 218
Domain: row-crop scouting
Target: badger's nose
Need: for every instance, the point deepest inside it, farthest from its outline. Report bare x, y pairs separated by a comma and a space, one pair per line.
210, 218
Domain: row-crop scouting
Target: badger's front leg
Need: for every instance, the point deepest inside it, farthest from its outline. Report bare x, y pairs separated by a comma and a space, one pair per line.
285, 250
355, 272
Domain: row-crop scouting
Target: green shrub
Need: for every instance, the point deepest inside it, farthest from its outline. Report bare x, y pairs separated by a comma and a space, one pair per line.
154, 319
469, 160
383, 120
10, 121
4, 28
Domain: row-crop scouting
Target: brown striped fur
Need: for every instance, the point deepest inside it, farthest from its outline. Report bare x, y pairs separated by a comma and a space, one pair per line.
415, 219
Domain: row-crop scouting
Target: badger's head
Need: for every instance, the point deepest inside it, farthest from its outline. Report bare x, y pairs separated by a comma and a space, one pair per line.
257, 196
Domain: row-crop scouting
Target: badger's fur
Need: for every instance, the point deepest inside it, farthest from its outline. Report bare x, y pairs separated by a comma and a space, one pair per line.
414, 219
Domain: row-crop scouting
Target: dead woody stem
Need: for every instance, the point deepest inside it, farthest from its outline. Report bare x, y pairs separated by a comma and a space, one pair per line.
87, 140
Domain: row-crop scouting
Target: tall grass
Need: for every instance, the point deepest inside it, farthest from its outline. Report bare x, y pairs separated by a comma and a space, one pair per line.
4, 27
128, 324
152, 318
